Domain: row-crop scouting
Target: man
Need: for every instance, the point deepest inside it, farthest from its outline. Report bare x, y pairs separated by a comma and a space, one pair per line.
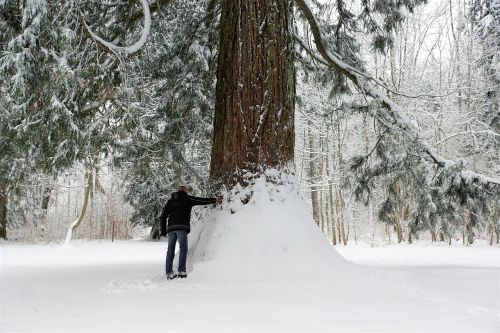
178, 212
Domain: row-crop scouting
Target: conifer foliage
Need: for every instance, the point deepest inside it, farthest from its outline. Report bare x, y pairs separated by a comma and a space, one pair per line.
57, 87
141, 83
169, 92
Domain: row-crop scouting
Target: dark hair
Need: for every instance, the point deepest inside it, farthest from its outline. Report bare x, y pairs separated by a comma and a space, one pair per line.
185, 188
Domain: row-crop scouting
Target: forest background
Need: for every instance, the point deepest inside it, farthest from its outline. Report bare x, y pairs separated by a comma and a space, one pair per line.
102, 138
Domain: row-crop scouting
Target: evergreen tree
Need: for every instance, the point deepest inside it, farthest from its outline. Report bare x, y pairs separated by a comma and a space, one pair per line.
78, 74
56, 87
169, 92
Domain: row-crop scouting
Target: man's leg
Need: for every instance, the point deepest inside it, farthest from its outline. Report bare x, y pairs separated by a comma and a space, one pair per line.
172, 239
183, 245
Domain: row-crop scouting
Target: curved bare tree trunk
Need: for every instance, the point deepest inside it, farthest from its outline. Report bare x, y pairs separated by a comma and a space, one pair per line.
76, 223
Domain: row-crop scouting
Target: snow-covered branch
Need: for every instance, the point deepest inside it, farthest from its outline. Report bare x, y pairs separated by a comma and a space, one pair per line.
127, 50
362, 81
473, 133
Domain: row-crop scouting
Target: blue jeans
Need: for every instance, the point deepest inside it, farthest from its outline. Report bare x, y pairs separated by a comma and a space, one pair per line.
173, 237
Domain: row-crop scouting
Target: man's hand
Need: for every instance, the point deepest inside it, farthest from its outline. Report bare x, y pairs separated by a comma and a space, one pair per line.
218, 201
163, 233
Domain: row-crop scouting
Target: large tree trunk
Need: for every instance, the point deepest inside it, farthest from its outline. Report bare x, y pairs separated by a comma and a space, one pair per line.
255, 93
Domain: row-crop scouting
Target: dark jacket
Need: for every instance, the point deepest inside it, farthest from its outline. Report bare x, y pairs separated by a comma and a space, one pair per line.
178, 211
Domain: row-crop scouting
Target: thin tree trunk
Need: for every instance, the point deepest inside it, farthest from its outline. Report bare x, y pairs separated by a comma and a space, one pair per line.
341, 203
344, 238
433, 235
492, 236
355, 231
321, 209
312, 176
337, 210
333, 213
340, 211
367, 150
76, 223
372, 220
330, 220
255, 91
3, 213
321, 194
401, 218
46, 198
399, 231
457, 59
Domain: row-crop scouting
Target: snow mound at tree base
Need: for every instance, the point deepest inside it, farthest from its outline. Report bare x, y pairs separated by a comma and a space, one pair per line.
272, 237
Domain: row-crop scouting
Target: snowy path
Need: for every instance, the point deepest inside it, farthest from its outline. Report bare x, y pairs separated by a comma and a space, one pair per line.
93, 286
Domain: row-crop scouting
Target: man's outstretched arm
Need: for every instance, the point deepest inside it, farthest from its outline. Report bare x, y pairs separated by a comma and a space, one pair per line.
197, 201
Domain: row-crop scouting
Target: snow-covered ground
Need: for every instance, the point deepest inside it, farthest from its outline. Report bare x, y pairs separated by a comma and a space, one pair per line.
265, 268
104, 286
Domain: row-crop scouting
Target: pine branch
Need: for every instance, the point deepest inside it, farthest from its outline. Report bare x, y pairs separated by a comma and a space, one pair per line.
361, 80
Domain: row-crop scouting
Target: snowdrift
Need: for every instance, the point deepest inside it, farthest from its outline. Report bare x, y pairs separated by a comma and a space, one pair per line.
272, 237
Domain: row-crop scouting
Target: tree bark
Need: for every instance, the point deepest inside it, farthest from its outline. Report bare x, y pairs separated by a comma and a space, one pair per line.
155, 232
312, 174
76, 223
433, 235
320, 188
3, 213
492, 233
330, 218
399, 230
46, 198
333, 214
255, 92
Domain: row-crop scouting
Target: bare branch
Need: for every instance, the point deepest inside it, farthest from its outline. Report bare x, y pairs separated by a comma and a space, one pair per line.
127, 49
362, 81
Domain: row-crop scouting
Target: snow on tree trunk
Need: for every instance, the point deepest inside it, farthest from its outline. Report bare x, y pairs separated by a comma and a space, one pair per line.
255, 92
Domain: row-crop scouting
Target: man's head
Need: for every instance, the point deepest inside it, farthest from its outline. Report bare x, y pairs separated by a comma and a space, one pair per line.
185, 188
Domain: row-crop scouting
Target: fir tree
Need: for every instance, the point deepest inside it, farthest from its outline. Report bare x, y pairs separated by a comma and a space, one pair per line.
80, 76
169, 92
56, 88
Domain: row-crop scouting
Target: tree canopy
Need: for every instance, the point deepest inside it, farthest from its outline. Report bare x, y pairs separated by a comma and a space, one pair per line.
135, 81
